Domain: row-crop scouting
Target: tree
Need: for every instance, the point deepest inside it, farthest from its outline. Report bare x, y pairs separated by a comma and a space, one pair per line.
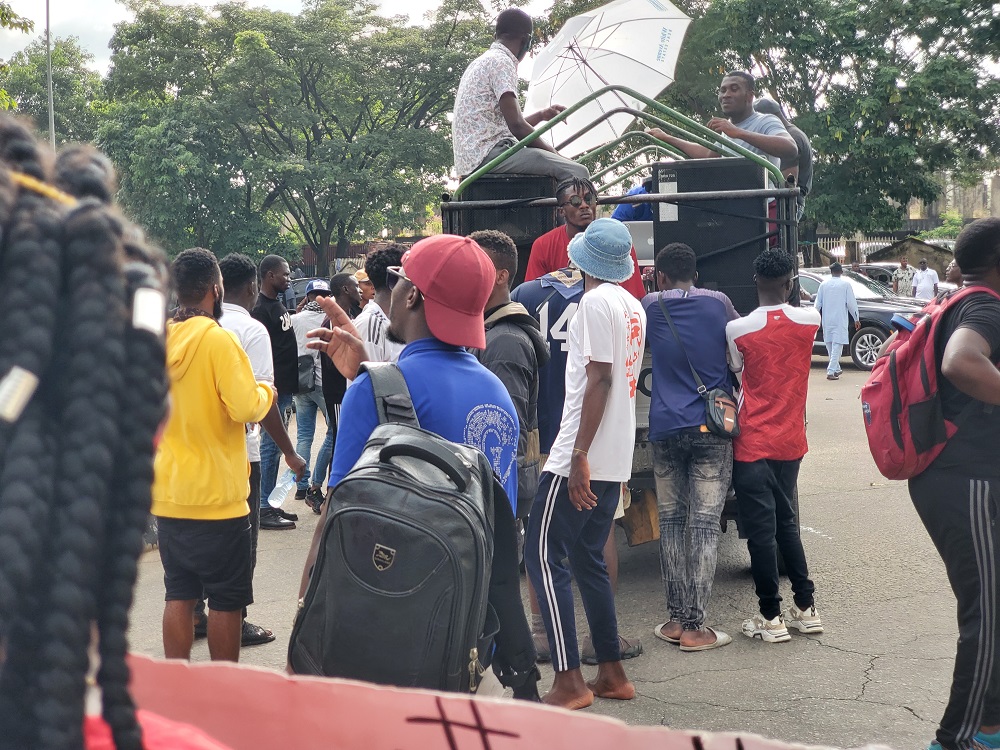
186, 184
76, 88
951, 225
11, 20
339, 114
889, 93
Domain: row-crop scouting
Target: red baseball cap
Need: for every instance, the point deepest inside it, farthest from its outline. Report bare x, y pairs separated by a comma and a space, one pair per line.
455, 277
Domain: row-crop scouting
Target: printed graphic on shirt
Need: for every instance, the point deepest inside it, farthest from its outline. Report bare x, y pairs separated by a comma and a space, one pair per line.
633, 351
492, 430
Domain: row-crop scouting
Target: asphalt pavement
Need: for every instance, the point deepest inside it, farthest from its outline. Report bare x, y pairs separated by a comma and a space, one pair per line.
879, 673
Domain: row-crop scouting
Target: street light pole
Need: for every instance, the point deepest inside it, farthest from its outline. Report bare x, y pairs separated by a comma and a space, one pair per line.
48, 62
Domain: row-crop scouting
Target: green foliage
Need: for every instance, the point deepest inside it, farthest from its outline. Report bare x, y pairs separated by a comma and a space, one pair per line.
951, 225
334, 119
76, 88
11, 20
889, 93
186, 183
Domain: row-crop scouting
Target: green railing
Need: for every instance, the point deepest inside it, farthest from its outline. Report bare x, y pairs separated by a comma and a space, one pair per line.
657, 149
621, 178
691, 130
632, 134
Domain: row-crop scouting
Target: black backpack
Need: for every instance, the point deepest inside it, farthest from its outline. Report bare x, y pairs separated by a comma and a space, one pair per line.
407, 568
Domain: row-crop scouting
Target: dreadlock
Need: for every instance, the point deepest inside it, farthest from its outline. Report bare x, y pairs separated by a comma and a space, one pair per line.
76, 463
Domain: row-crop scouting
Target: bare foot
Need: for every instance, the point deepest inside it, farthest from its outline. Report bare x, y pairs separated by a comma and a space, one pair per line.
569, 699
612, 683
672, 629
703, 637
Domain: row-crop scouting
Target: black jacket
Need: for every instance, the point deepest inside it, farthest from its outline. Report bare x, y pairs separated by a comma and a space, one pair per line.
515, 349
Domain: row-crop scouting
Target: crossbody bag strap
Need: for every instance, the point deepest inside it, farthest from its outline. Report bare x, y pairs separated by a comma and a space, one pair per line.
392, 397
702, 390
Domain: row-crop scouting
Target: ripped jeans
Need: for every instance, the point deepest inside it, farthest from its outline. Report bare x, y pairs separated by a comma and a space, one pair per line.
693, 472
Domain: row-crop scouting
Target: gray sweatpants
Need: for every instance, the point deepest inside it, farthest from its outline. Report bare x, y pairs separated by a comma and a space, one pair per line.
535, 161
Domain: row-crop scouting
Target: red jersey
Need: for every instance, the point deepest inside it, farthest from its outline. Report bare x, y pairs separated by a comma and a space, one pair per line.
771, 352
550, 252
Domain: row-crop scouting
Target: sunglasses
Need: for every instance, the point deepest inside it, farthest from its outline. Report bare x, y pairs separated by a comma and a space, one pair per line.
576, 201
395, 274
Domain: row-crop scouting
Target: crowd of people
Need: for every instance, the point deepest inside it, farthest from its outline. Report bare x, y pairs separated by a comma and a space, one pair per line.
540, 378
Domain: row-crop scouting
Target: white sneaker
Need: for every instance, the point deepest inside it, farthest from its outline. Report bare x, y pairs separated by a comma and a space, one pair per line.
805, 621
770, 631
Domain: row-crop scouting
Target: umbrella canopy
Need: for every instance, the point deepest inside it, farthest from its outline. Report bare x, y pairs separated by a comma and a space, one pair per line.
632, 43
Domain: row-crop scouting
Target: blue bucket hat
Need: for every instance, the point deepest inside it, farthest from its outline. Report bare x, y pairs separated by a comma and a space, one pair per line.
604, 251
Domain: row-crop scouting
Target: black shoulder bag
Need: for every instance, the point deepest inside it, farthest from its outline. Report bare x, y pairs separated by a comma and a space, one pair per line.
720, 408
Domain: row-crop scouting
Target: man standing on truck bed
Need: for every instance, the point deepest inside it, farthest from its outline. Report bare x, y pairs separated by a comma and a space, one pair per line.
770, 350
487, 118
762, 134
577, 199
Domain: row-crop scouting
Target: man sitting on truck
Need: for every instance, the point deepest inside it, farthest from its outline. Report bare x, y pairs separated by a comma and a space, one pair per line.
577, 199
487, 118
762, 134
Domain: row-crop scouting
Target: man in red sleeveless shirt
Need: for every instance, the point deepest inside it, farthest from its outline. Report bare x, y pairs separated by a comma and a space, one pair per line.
770, 350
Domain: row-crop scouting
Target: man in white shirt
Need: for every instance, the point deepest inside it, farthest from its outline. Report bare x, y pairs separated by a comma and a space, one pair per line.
591, 457
487, 118
925, 282
239, 278
372, 323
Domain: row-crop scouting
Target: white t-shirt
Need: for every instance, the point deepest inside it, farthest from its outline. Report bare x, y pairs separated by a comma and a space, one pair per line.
257, 344
924, 282
372, 325
609, 326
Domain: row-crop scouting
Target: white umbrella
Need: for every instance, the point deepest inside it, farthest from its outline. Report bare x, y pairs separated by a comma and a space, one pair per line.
631, 43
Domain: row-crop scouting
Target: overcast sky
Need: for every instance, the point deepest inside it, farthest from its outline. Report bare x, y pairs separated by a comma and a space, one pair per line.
93, 20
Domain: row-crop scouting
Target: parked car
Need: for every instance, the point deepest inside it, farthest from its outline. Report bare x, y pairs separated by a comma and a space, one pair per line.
876, 306
296, 291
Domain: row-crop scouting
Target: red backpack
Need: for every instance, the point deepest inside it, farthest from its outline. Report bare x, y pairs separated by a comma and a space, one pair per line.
901, 404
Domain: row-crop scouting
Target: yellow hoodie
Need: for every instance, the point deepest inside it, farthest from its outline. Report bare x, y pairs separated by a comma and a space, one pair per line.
201, 467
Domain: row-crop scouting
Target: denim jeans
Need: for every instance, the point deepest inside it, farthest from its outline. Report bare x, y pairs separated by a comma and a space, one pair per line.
834, 350
270, 454
765, 492
693, 471
306, 406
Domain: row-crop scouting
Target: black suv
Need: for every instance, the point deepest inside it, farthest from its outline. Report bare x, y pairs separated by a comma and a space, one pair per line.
876, 306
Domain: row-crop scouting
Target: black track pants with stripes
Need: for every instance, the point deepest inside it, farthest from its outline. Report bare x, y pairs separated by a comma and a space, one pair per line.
960, 514
558, 532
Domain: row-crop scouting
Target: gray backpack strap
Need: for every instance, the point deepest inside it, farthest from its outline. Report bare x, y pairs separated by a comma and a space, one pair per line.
392, 397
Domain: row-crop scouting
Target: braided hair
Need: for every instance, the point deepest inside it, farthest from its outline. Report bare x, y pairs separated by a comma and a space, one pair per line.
76, 462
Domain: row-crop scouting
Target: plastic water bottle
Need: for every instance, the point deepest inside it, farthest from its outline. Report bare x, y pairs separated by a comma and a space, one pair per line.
285, 483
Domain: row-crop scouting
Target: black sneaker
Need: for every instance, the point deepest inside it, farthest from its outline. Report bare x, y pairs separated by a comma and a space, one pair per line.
300, 494
271, 521
314, 499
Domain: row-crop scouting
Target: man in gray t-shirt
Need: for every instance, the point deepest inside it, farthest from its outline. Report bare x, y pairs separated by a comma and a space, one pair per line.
762, 134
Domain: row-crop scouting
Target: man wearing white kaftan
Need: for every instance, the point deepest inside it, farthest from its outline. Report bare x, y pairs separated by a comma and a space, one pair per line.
836, 302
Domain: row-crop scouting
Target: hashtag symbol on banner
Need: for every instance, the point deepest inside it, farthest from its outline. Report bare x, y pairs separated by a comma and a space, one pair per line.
449, 726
